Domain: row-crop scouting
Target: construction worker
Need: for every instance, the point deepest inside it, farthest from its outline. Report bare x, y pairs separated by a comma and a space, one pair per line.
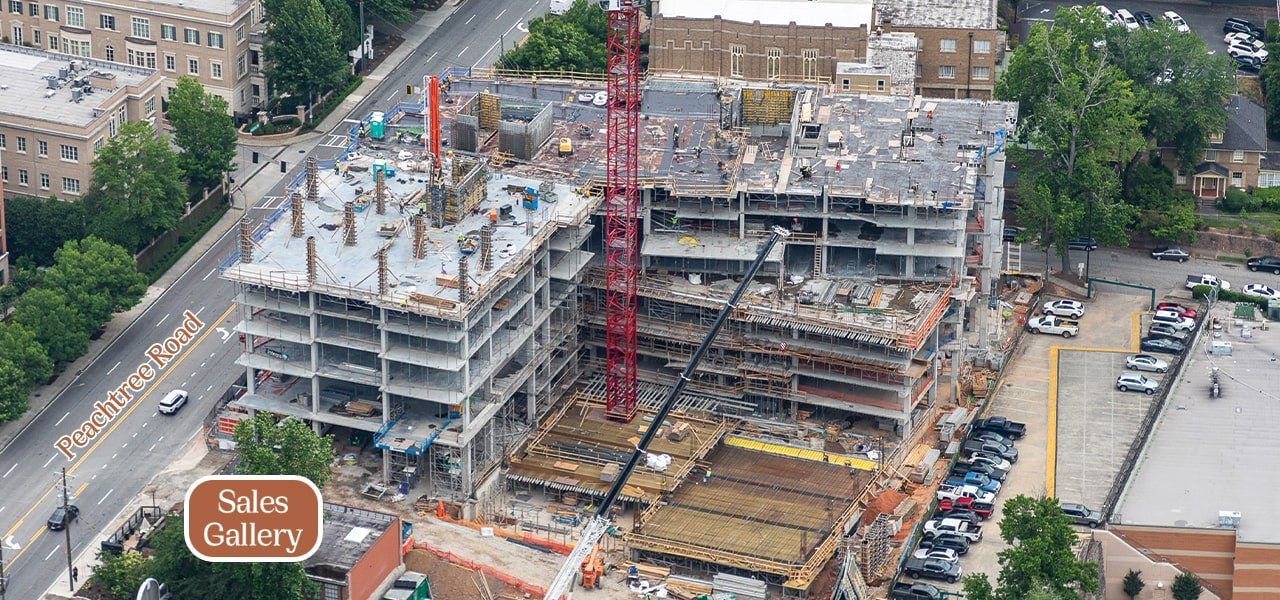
461, 238
706, 477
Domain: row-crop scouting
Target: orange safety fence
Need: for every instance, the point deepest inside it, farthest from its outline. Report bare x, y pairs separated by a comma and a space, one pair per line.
527, 588
527, 538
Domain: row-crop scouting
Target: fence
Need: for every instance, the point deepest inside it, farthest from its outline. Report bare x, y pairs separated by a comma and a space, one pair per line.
167, 241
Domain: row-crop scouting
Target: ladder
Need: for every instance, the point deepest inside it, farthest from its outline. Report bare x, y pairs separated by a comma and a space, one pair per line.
1012, 257
817, 258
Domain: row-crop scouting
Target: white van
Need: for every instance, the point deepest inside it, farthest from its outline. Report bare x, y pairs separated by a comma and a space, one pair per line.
559, 7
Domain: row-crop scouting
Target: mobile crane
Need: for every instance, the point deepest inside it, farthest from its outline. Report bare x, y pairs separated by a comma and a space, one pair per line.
599, 523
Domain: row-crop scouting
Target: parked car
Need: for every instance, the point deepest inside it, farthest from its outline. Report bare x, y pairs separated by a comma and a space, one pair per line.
1070, 309
959, 513
1264, 263
1008, 453
957, 493
1011, 233
1207, 279
946, 554
1166, 253
914, 591
1087, 244
978, 507
1167, 331
1082, 515
1126, 18
1235, 49
1234, 25
932, 568
1250, 64
1000, 425
990, 436
1052, 325
983, 482
946, 540
989, 459
62, 516
964, 529
1146, 362
1243, 39
1144, 18
1136, 382
995, 473
1161, 345
1108, 17
1185, 311
1176, 21
1173, 319
1260, 290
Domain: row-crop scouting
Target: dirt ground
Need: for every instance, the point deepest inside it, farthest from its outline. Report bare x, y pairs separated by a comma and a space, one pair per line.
451, 581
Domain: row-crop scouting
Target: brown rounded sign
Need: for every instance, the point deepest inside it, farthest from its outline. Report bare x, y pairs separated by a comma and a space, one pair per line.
253, 518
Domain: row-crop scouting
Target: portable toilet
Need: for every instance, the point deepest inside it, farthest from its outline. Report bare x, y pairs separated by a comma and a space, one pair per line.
377, 126
379, 165
530, 198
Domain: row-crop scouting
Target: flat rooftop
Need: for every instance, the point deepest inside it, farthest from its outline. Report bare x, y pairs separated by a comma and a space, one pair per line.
812, 13
1208, 455
349, 532
26, 93
218, 7
279, 259
939, 14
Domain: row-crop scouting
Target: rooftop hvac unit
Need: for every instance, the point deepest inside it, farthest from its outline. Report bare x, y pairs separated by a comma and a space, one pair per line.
63, 72
75, 66
76, 94
51, 81
1229, 518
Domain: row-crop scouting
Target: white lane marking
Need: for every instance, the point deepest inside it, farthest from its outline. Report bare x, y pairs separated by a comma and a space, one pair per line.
55, 549
499, 17
193, 434
204, 363
104, 497
144, 424
160, 439
208, 388
2, 508
46, 463
199, 310
211, 272
6, 473
64, 418
513, 26
393, 95
104, 466
115, 455
153, 447
155, 414
113, 368
433, 56
166, 316
126, 444
464, 51
470, 19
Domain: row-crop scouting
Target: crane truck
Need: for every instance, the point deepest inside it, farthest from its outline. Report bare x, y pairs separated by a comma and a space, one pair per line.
599, 523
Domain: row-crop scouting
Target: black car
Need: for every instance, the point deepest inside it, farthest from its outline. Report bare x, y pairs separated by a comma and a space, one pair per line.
62, 516
991, 436
947, 540
1011, 233
1166, 253
1247, 63
959, 513
1234, 25
1162, 345
986, 469
995, 448
932, 568
1087, 244
1264, 263
1144, 18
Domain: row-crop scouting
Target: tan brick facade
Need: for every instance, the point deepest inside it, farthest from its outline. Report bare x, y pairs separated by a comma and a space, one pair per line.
1230, 569
1239, 170
956, 63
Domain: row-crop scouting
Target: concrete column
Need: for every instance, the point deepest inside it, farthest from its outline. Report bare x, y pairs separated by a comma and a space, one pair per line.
312, 303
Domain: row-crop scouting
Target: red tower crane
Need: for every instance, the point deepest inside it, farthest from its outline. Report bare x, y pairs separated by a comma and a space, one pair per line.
622, 199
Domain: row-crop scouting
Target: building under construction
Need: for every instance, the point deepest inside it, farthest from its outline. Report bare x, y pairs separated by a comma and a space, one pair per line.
461, 323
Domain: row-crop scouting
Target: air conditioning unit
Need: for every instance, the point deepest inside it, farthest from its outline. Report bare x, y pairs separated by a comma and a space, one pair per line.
1229, 518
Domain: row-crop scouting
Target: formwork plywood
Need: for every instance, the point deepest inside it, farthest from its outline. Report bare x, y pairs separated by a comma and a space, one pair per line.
741, 537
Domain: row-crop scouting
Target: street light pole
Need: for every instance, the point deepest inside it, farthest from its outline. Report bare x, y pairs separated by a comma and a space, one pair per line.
362, 36
66, 517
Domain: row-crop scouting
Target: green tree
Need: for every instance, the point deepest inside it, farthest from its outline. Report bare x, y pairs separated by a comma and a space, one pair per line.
59, 326
1079, 110
287, 447
391, 11
1269, 77
189, 577
574, 41
1165, 211
137, 190
13, 391
19, 346
1186, 586
302, 49
121, 574
1039, 557
203, 129
97, 276
1133, 583
342, 16
37, 227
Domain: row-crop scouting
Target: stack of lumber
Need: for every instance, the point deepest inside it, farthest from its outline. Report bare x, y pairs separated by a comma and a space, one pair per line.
687, 588
743, 588
651, 573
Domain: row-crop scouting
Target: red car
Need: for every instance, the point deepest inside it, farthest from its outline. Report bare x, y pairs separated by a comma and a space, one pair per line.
982, 509
1190, 313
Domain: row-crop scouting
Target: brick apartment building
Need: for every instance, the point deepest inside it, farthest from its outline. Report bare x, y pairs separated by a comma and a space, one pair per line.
57, 110
959, 45
206, 39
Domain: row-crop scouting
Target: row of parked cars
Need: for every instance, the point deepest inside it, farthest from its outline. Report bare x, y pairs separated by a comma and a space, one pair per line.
1244, 40
1169, 329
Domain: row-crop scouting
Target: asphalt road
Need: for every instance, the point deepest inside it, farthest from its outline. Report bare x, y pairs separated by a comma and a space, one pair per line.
1134, 265
109, 473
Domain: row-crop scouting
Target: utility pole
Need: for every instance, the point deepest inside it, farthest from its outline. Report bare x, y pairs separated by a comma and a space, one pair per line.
66, 528
362, 36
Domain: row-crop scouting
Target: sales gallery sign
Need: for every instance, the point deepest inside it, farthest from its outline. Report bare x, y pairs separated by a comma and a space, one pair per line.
253, 518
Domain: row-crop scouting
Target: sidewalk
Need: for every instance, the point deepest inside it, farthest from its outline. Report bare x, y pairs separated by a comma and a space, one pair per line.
254, 187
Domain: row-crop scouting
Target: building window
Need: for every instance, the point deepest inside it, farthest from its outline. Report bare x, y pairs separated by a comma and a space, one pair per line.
239, 34
240, 65
75, 16
53, 42
809, 59
99, 142
33, 9
1237, 179
22, 145
170, 62
22, 177
70, 186
982, 73
191, 36
110, 53
70, 153
150, 105
15, 7
214, 39
138, 58
1215, 138
42, 148
44, 181
982, 46
168, 32
736, 55
76, 48
946, 45
773, 62
3, 145
880, 85
919, 70
51, 13
1211, 155
193, 66
107, 22
1180, 178
4, 174
1268, 179
215, 69
141, 28
946, 72
111, 127
844, 84
123, 115
1237, 156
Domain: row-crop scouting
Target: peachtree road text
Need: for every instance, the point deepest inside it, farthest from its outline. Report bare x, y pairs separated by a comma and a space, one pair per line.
159, 355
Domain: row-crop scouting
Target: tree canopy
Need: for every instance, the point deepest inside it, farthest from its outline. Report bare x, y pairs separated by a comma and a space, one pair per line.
1039, 558
287, 447
61, 328
1186, 586
302, 51
574, 41
189, 577
137, 190
19, 346
97, 276
37, 227
203, 129
13, 391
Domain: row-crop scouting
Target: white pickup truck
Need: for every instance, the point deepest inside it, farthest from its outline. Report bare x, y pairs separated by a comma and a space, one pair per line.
1054, 326
956, 492
964, 529
1206, 279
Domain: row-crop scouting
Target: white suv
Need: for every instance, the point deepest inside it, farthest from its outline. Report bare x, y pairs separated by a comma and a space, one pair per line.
1173, 319
172, 402
1136, 382
1124, 17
